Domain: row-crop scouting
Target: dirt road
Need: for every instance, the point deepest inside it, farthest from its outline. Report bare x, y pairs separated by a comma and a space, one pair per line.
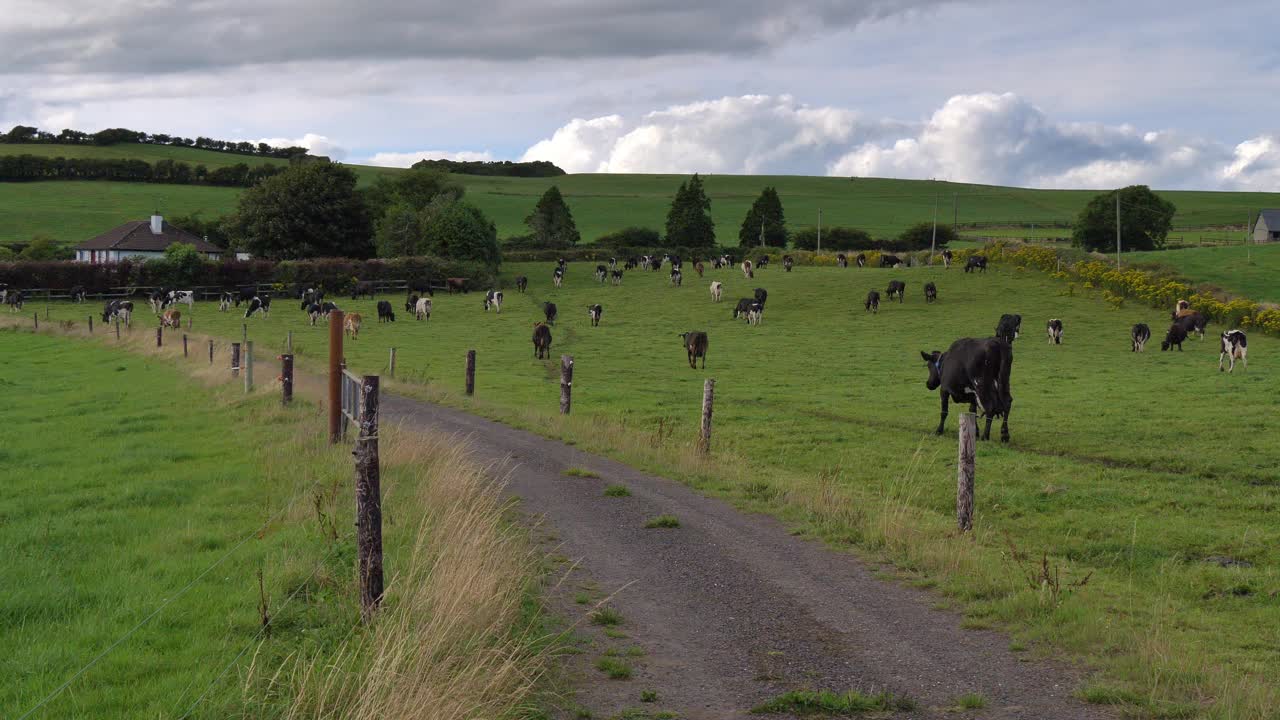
731, 610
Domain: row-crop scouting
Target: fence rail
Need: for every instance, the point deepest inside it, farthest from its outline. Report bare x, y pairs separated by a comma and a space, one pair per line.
352, 408
208, 292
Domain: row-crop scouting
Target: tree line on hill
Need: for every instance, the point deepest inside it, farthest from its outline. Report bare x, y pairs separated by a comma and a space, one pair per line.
31, 168
113, 136
502, 168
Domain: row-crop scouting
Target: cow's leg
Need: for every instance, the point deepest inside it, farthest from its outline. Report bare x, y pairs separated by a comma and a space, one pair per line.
943, 420
1221, 357
986, 431
704, 361
1004, 422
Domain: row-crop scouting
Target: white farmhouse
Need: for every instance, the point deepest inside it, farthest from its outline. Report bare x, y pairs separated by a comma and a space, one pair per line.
141, 239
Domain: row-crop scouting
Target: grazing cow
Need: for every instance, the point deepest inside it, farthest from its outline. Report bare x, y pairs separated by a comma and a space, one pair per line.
122, 309
873, 302
171, 319
630, 264
726, 259
225, 299
613, 263
930, 292
842, 260
1234, 345
890, 261
561, 262
158, 299
15, 299
557, 277
183, 297
351, 325
78, 294
522, 283
601, 273
763, 262
861, 259
420, 287
259, 302
787, 262
695, 343
617, 276
550, 311
897, 289
742, 308
423, 309
456, 285
1139, 334
310, 296
245, 294
655, 263
747, 272
946, 259
595, 311
761, 295
699, 268
411, 302
4, 291
976, 372
315, 311
677, 277
1175, 336
1192, 322
1054, 329
494, 298
976, 262
1182, 307
755, 313
541, 341
717, 288
363, 288
1009, 327
385, 313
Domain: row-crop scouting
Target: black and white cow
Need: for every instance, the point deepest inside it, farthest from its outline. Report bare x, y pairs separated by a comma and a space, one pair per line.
4, 292
930, 292
977, 372
696, 344
522, 283
602, 272
763, 262
613, 263
1054, 329
742, 308
861, 259
225, 299
181, 297
550, 311
842, 260
677, 277
890, 261
1009, 327
873, 302
1139, 335
1234, 346
946, 259
310, 296
761, 295
595, 311
411, 302
1176, 335
787, 262
976, 262
755, 313
557, 277
422, 309
897, 289
158, 298
122, 309
15, 299
616, 275
655, 263
259, 303
78, 294
385, 313
494, 298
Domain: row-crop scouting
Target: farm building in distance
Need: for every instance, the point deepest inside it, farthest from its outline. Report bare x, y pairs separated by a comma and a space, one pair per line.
1267, 229
141, 239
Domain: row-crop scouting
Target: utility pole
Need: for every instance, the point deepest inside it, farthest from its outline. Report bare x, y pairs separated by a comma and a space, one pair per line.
762, 233
819, 230
933, 245
1117, 229
1248, 244
955, 213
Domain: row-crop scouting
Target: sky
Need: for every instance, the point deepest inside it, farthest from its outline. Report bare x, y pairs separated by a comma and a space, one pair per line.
1175, 94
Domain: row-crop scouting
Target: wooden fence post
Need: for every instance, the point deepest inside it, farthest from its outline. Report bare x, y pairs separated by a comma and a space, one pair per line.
235, 359
286, 379
288, 343
335, 376
708, 399
46, 311
566, 383
391, 364
369, 499
964, 471
159, 337
90, 324
248, 366
210, 351
471, 372
36, 318
184, 345
189, 322
244, 332
117, 329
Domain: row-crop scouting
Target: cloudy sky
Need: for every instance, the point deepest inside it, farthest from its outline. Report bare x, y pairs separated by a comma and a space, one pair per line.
1177, 94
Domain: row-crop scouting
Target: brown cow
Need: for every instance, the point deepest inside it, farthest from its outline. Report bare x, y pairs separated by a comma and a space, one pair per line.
458, 284
351, 325
698, 267
171, 319
695, 343
541, 341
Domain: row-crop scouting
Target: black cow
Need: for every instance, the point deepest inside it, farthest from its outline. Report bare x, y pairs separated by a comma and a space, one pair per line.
842, 260
385, 313
595, 311
1139, 335
675, 261
259, 303
1192, 322
787, 262
245, 294
695, 343
1236, 346
362, 288
946, 259
522, 283
888, 261
873, 302
930, 292
1054, 330
742, 308
15, 300
1176, 335
78, 294
541, 341
761, 295
763, 262
421, 287
976, 372
631, 264
655, 263
550, 311
976, 262
897, 289
861, 259
1009, 327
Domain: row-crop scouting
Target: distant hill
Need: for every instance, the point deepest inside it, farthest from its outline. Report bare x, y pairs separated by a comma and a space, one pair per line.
499, 168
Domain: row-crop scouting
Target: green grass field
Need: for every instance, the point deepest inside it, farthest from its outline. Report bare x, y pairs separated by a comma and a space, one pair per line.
124, 479
1142, 469
1252, 271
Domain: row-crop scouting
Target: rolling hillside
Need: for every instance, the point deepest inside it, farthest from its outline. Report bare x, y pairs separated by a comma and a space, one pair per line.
73, 211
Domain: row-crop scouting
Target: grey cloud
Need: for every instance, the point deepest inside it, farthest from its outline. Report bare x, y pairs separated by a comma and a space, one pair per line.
155, 36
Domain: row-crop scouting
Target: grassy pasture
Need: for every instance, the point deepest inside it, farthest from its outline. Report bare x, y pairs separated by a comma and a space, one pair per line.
1249, 271
1148, 471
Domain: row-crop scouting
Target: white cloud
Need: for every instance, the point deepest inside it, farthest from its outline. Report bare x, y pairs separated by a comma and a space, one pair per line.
315, 144
406, 159
1255, 165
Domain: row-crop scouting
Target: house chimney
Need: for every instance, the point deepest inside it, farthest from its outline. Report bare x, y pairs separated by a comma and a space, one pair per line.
157, 224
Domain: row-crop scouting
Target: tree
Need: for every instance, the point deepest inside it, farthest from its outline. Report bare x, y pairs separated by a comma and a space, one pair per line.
43, 247
1145, 220
833, 238
459, 231
765, 212
920, 236
689, 222
181, 264
631, 237
552, 222
306, 211
398, 231
417, 188
214, 229
7, 255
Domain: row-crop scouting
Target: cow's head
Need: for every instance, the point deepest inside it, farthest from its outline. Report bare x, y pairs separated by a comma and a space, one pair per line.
934, 361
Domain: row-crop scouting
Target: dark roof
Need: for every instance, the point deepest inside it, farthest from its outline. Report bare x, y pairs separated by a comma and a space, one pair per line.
1272, 217
137, 235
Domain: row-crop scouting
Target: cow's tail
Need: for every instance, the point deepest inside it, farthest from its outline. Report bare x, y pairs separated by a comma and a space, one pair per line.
1006, 370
